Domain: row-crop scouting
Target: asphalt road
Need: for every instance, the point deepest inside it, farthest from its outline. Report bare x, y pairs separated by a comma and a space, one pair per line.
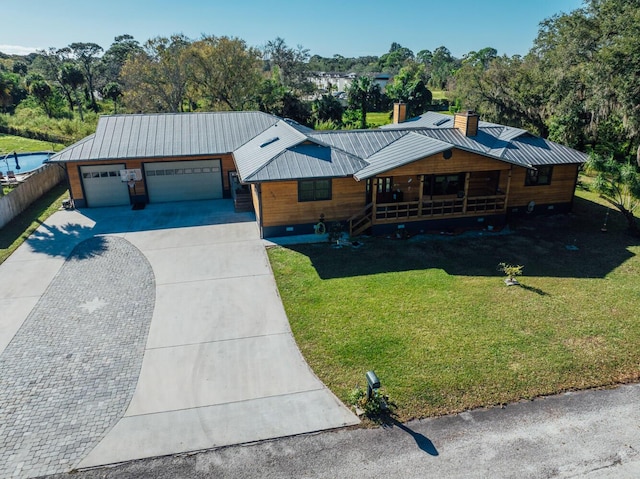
590, 434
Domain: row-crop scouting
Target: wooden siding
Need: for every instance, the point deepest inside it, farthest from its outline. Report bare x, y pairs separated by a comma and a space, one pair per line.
280, 205
561, 189
73, 170
460, 162
255, 199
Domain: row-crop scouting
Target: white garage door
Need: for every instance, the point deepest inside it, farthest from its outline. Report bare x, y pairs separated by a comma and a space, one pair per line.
183, 180
103, 187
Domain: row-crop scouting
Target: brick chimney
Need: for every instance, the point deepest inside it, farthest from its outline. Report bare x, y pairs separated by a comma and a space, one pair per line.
399, 113
466, 122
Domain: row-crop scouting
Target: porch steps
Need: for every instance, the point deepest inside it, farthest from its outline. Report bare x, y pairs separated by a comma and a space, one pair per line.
242, 202
361, 222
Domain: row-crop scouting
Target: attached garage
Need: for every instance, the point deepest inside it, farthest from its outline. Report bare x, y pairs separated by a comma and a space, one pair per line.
183, 180
103, 187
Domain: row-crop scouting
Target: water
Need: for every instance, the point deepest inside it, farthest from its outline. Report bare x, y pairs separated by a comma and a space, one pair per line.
27, 161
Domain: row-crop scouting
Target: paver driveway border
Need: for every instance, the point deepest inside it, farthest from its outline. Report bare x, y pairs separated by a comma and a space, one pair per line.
221, 366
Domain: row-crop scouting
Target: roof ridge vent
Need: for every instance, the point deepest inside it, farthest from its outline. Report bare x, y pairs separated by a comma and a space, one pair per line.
269, 141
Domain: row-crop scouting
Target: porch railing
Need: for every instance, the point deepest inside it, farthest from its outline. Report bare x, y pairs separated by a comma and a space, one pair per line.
446, 207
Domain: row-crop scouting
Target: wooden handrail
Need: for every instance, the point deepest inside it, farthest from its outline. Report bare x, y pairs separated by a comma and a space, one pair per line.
362, 212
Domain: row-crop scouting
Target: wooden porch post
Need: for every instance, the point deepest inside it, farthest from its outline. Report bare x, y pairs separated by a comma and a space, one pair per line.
466, 192
506, 198
374, 197
421, 193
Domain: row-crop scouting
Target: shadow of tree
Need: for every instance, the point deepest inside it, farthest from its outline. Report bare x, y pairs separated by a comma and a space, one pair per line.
534, 290
61, 240
424, 443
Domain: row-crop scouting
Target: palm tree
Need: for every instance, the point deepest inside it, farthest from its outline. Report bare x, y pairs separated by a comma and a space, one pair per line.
360, 94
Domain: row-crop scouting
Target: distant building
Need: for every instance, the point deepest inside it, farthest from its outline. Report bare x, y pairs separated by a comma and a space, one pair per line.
340, 82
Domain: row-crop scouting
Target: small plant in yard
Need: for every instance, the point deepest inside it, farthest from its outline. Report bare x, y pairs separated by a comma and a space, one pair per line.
510, 271
373, 407
335, 232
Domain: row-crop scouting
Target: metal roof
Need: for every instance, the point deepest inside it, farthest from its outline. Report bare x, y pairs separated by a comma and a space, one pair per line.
308, 161
529, 150
362, 143
167, 135
407, 149
261, 149
267, 148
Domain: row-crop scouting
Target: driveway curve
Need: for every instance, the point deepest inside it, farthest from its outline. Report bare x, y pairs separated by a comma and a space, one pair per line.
70, 372
220, 365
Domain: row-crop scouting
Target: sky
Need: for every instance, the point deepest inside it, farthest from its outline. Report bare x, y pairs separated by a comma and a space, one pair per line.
350, 28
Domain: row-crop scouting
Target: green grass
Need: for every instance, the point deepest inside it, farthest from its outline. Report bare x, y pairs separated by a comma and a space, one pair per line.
439, 94
10, 143
434, 319
376, 119
17, 231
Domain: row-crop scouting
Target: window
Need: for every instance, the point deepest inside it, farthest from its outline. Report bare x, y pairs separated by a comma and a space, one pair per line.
444, 185
314, 190
541, 175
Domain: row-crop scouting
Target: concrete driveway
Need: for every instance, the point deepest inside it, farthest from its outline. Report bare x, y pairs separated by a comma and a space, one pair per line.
219, 365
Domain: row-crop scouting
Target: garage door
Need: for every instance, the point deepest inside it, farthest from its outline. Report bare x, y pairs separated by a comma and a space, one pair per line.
103, 187
183, 180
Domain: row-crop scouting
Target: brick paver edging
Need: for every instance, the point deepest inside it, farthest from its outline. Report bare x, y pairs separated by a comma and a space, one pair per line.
69, 373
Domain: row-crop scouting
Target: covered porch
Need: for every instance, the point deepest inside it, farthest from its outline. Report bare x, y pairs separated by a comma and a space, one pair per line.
407, 198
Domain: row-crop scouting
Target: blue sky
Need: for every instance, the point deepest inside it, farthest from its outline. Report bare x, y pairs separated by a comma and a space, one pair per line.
326, 27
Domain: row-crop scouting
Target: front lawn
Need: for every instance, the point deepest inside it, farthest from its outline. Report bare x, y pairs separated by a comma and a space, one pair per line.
432, 316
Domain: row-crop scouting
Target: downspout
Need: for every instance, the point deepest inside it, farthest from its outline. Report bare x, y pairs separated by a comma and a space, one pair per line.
421, 196
66, 177
374, 198
466, 192
261, 220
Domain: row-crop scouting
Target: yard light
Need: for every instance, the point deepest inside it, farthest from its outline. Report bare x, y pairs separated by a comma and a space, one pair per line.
373, 383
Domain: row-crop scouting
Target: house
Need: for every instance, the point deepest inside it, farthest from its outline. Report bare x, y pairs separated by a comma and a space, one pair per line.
432, 172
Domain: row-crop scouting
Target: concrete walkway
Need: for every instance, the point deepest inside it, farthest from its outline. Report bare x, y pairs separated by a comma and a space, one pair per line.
220, 365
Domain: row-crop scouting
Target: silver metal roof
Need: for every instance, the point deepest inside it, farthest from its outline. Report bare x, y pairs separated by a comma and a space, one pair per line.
528, 150
362, 143
167, 135
407, 149
257, 152
308, 161
267, 148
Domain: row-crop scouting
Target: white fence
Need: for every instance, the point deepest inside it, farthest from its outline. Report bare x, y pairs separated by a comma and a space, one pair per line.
25, 193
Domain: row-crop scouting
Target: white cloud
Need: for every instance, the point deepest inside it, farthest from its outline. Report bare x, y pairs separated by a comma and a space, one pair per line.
17, 49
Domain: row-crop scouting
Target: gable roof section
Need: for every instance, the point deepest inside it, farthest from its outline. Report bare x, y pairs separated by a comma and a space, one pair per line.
257, 152
76, 152
505, 143
305, 161
409, 148
168, 135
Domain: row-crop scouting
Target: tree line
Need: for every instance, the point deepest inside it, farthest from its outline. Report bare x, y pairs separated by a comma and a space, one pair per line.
578, 85
175, 74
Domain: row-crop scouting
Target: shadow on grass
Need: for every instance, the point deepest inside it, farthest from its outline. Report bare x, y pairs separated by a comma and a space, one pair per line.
19, 226
538, 243
534, 290
422, 441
